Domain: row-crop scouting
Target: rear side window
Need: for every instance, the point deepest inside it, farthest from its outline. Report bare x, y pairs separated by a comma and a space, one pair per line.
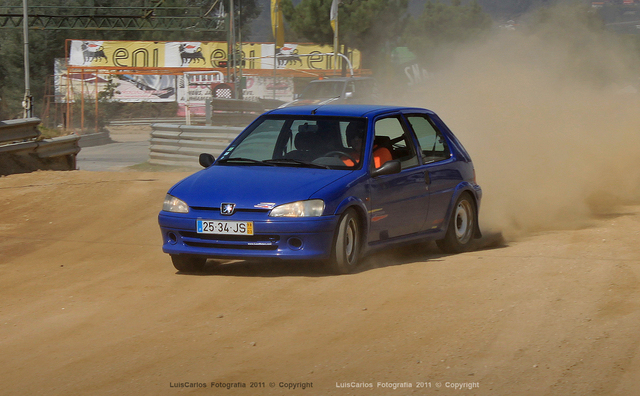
432, 144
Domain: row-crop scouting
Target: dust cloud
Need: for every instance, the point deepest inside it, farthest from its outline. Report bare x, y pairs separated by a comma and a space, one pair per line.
550, 117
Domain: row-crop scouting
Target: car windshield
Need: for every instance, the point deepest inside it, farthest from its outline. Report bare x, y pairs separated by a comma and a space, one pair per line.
300, 141
323, 90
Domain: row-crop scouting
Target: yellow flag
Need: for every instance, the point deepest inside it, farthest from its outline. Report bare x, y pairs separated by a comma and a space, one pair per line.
333, 15
277, 25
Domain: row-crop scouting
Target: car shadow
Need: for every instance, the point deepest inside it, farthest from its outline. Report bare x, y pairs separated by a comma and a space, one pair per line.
423, 252
262, 268
404, 254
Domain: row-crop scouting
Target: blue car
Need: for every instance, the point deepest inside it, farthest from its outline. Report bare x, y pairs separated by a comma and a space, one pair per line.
328, 183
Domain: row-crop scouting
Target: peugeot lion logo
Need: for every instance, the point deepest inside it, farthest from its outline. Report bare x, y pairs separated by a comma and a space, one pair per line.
227, 209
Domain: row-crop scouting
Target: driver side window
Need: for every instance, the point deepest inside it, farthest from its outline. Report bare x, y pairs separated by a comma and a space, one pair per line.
390, 134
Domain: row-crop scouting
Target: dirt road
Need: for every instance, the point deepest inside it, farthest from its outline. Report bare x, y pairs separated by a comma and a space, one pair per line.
91, 306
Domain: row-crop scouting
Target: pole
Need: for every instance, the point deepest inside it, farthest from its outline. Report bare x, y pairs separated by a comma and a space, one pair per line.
335, 45
82, 103
275, 48
232, 49
229, 49
238, 86
68, 115
187, 83
27, 103
96, 113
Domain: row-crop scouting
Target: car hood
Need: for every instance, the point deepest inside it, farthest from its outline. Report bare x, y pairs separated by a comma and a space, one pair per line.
253, 186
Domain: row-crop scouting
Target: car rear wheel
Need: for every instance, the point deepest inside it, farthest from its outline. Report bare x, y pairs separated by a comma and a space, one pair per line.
187, 263
462, 225
346, 250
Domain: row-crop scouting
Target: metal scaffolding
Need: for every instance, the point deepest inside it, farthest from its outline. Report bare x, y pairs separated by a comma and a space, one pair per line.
113, 18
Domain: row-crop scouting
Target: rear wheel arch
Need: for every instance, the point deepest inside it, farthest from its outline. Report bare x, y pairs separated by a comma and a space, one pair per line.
474, 200
465, 188
464, 210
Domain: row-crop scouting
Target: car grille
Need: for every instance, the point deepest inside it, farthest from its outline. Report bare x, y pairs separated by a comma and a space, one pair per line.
237, 210
245, 242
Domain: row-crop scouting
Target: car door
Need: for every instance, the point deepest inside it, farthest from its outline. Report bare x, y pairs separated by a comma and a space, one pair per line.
398, 202
439, 168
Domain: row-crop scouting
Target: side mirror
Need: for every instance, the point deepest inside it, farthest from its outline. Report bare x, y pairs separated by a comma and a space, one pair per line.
388, 168
296, 96
206, 160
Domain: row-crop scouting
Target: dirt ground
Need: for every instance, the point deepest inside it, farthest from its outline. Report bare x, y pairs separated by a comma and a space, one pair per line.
91, 306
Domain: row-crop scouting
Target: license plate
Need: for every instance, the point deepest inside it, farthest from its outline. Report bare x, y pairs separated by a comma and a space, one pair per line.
225, 227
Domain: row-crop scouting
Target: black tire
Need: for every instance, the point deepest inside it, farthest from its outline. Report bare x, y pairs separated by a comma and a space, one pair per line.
462, 226
186, 263
346, 245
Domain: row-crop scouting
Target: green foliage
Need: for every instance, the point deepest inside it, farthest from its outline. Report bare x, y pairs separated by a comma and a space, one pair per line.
109, 91
573, 19
48, 133
309, 19
374, 23
368, 25
442, 25
376, 26
512, 9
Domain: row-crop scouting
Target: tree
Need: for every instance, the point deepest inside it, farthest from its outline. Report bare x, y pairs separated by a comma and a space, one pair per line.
368, 25
442, 25
512, 9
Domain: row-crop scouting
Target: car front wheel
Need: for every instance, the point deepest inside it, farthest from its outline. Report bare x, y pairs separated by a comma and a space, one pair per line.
462, 224
186, 263
346, 250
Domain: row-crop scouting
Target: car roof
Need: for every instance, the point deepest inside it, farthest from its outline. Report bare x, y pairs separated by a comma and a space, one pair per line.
345, 110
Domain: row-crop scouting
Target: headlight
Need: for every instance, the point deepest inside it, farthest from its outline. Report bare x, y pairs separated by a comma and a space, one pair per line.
173, 204
311, 208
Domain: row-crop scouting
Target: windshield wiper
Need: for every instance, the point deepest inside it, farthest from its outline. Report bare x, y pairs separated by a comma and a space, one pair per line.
291, 161
243, 160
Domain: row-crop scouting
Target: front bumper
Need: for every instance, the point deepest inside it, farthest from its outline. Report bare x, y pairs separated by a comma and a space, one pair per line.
295, 239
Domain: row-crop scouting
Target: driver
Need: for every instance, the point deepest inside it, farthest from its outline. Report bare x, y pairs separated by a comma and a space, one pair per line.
355, 139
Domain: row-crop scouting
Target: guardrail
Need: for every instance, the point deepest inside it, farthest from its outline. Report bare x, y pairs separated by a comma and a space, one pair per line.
180, 145
15, 130
21, 151
156, 120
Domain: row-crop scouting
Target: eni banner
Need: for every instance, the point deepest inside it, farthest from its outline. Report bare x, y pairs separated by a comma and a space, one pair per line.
212, 54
